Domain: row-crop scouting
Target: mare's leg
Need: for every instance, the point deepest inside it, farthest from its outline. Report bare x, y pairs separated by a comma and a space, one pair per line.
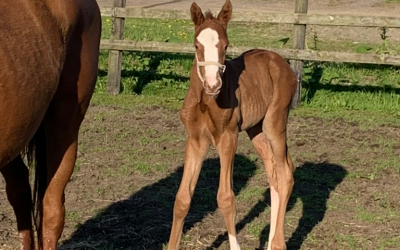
62, 122
279, 170
61, 132
195, 151
226, 148
18, 191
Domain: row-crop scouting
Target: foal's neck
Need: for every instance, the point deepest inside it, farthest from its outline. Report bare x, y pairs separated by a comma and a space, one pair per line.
226, 99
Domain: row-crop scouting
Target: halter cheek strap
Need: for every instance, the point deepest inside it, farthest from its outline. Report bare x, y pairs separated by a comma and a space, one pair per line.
207, 63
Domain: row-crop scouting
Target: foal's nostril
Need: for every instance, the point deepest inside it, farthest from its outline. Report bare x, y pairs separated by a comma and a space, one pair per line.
211, 82
212, 85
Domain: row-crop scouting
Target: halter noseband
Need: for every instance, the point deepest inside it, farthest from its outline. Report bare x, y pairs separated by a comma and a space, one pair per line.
207, 63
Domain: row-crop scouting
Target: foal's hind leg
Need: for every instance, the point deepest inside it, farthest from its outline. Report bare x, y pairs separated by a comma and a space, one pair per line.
263, 148
271, 146
280, 171
18, 190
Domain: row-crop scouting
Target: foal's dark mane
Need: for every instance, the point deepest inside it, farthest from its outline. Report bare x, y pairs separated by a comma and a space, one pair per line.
208, 15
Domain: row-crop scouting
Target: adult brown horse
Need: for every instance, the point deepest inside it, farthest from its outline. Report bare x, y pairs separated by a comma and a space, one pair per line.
253, 93
48, 54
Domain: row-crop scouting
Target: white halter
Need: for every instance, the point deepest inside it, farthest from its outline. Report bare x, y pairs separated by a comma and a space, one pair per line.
206, 63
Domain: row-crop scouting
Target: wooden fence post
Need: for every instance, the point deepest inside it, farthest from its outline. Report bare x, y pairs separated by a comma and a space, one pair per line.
299, 39
115, 56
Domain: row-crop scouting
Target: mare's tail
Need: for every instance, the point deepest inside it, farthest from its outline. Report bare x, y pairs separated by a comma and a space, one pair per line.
37, 161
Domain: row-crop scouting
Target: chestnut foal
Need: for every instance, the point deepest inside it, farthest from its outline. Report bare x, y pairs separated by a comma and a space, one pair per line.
253, 93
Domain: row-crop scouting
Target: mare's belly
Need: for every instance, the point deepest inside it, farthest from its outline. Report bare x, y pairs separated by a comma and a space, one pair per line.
31, 52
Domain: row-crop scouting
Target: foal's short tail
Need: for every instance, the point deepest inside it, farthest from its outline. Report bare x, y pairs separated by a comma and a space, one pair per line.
37, 161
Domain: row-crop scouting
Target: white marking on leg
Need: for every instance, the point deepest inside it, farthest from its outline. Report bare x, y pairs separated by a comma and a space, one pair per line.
274, 214
209, 39
233, 242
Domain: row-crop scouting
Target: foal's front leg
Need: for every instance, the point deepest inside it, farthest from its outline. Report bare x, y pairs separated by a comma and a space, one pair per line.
226, 148
195, 151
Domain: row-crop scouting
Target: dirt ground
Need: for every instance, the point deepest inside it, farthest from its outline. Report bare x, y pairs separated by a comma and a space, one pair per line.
115, 202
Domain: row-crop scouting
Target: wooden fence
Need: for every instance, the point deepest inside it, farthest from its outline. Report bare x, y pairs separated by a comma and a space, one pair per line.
300, 19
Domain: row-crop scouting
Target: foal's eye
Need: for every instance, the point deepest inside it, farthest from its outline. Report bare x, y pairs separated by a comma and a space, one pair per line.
196, 46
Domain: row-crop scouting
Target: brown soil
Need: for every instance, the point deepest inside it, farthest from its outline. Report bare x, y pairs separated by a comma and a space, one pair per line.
115, 203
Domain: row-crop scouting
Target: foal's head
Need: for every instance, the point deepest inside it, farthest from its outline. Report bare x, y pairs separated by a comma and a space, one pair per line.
211, 42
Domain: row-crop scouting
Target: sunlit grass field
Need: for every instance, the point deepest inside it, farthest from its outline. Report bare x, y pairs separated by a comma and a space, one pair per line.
326, 86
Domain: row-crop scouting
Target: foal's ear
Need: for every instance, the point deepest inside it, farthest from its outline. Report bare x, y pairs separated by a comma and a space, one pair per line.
225, 14
196, 14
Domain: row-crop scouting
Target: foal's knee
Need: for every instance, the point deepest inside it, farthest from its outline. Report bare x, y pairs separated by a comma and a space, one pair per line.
226, 200
182, 204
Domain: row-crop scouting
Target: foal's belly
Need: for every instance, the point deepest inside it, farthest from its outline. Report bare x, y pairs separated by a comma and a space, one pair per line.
252, 114
253, 106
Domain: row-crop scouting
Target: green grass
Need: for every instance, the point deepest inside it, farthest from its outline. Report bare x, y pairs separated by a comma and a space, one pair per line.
351, 86
240, 33
326, 86
72, 216
250, 194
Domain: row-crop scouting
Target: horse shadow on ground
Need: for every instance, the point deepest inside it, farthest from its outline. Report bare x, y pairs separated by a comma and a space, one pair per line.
313, 185
144, 220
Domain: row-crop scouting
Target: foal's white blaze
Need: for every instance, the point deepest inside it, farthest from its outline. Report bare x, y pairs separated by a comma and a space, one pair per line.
209, 39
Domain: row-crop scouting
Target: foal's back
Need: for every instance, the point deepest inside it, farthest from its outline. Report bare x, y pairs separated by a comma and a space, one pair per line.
264, 78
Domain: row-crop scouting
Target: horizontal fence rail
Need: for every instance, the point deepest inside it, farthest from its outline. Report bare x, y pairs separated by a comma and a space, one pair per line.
291, 54
311, 55
300, 19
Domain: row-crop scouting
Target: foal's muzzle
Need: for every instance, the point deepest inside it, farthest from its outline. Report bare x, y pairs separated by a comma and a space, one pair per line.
211, 89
